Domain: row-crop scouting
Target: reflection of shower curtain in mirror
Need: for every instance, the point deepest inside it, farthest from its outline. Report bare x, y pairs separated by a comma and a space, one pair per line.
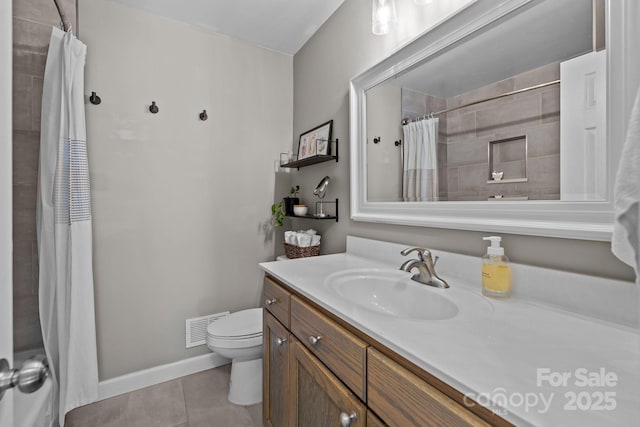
420, 161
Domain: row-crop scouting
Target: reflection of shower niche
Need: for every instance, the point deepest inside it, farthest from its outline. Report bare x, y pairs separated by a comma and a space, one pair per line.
508, 160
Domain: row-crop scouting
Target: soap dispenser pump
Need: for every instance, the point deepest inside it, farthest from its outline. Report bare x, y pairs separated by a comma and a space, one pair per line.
496, 272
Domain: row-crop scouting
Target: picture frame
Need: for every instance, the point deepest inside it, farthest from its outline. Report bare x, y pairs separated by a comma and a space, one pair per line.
316, 141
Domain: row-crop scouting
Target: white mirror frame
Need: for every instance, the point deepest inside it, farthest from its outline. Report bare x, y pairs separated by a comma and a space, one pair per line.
578, 220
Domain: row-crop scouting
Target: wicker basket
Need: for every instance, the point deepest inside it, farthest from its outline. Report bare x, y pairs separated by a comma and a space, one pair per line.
292, 251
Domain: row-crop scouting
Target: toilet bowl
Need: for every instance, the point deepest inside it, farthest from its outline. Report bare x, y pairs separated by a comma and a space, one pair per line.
238, 337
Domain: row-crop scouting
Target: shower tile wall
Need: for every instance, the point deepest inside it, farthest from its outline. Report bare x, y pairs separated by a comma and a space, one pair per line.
32, 22
535, 114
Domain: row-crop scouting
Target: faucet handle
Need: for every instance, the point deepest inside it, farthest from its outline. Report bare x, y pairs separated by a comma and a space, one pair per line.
423, 253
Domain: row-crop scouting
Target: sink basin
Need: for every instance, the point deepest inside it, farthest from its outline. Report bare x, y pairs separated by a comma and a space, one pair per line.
392, 293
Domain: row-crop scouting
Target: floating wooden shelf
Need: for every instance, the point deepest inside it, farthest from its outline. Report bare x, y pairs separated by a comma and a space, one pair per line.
309, 161
312, 216
318, 158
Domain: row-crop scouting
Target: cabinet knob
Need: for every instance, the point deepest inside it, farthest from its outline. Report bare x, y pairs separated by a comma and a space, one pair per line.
281, 341
347, 419
270, 301
314, 340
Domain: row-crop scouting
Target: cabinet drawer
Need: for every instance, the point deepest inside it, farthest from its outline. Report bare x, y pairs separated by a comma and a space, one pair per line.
400, 398
341, 351
277, 300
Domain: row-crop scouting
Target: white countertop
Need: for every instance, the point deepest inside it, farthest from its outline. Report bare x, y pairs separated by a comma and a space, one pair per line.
495, 350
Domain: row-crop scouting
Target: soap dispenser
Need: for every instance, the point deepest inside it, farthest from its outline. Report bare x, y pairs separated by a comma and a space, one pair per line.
496, 272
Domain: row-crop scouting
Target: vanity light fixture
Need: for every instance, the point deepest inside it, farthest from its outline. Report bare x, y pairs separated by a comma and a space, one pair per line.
383, 15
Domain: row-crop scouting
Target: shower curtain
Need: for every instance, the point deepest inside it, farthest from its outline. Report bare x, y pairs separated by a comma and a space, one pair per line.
420, 161
64, 230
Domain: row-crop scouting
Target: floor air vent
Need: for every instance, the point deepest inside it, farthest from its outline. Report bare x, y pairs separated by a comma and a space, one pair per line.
197, 328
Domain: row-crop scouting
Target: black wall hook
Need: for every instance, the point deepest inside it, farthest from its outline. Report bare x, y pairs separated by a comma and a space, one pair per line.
376, 139
203, 115
95, 99
398, 143
153, 108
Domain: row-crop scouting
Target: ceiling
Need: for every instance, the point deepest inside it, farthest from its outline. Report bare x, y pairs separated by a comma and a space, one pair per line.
548, 32
281, 25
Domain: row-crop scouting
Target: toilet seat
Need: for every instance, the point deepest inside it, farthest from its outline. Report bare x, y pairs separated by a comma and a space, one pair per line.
240, 337
239, 343
238, 330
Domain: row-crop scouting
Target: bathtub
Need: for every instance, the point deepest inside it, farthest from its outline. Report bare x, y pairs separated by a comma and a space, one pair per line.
32, 410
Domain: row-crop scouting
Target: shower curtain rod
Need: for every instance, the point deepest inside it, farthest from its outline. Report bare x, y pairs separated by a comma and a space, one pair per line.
63, 16
513, 92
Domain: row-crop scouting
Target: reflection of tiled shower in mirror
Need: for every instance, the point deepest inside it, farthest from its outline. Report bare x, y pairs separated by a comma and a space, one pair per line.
514, 122
515, 140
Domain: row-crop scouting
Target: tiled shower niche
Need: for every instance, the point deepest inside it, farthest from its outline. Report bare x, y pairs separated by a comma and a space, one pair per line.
507, 160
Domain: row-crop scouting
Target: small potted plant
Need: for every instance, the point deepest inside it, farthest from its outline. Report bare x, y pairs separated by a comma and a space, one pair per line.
291, 200
277, 215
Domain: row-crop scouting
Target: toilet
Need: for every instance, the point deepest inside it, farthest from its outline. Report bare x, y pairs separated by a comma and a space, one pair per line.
238, 337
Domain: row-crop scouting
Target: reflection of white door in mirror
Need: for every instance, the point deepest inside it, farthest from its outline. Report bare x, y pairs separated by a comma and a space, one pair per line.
583, 127
497, 71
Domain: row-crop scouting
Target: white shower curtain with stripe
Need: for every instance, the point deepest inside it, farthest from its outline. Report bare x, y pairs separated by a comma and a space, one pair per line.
420, 161
64, 230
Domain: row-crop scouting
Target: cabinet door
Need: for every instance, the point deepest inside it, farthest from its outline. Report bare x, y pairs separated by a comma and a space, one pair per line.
373, 421
318, 398
275, 373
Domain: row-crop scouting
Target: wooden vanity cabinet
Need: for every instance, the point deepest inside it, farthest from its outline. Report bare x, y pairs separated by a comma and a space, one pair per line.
318, 368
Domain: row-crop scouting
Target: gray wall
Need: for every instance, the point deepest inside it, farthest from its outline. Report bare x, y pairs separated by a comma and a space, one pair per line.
179, 205
345, 47
32, 22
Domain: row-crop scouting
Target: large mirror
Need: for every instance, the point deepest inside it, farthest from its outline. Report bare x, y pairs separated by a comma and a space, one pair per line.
503, 118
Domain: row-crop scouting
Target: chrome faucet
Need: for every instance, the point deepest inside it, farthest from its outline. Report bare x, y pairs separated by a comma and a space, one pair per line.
426, 268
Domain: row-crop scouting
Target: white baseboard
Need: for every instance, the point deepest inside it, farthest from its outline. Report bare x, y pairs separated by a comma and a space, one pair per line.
158, 374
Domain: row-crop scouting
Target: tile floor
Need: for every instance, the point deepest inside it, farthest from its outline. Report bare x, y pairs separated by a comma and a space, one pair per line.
198, 400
